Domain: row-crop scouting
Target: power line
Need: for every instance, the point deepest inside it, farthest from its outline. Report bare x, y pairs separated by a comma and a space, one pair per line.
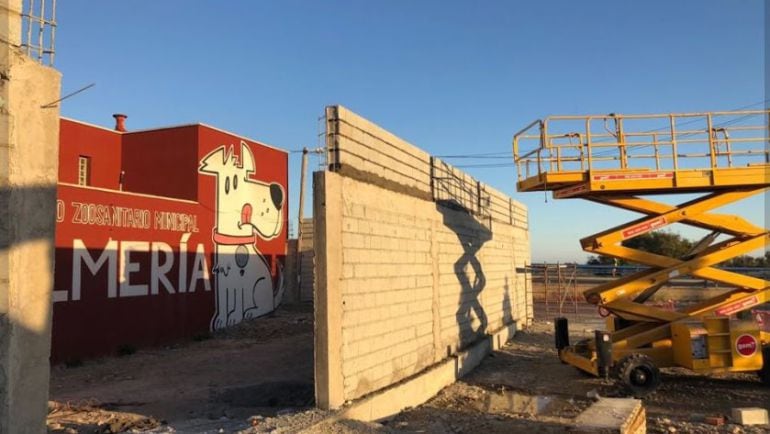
689, 134
697, 119
490, 165
688, 122
481, 155
507, 154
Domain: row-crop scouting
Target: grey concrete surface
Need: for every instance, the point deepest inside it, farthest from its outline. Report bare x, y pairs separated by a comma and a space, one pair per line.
29, 143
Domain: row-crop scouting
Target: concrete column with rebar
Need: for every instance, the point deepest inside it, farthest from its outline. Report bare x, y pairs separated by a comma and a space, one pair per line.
29, 143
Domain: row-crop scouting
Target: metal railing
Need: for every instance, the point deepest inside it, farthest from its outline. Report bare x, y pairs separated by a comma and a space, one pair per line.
658, 142
38, 34
459, 192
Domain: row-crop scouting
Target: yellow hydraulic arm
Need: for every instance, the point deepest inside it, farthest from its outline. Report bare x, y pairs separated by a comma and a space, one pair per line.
746, 237
621, 160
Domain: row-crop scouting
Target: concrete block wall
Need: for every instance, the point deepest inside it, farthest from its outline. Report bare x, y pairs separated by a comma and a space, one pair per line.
305, 246
408, 274
359, 147
291, 292
299, 266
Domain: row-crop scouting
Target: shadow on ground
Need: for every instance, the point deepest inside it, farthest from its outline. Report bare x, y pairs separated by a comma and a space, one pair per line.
260, 367
529, 367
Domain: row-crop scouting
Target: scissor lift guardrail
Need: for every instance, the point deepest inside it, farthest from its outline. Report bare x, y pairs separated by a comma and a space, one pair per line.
617, 160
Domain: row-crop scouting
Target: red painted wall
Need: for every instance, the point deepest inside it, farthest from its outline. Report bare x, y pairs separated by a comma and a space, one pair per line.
162, 162
102, 145
99, 312
97, 322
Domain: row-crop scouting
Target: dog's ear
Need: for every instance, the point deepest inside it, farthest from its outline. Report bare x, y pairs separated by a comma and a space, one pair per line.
214, 161
247, 158
230, 157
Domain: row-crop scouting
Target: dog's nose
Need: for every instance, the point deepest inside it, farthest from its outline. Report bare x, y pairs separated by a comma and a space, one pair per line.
276, 193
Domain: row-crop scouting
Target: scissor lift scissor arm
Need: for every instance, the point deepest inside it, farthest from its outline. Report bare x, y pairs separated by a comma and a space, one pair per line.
617, 161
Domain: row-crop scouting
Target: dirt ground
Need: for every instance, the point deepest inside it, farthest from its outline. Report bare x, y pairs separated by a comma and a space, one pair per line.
258, 379
529, 367
264, 366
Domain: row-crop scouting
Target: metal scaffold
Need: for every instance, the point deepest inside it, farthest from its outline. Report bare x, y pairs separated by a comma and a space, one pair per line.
558, 294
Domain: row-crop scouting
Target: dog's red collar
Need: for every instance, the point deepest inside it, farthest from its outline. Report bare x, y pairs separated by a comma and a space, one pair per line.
234, 240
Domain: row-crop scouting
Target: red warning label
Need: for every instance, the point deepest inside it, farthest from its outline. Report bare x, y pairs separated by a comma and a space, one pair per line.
643, 228
628, 176
737, 306
570, 191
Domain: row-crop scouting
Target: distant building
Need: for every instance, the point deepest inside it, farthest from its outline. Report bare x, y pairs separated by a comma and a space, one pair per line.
163, 234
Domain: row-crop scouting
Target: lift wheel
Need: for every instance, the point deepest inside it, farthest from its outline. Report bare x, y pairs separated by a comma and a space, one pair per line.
638, 374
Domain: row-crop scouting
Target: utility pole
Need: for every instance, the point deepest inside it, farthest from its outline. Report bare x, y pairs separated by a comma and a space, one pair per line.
301, 212
301, 215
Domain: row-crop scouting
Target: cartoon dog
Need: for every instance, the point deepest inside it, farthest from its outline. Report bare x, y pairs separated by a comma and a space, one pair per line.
245, 211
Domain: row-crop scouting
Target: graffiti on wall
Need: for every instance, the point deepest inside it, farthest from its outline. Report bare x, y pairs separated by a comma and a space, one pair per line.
246, 211
168, 251
125, 259
131, 269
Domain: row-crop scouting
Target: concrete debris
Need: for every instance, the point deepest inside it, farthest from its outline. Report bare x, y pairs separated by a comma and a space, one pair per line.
750, 416
616, 415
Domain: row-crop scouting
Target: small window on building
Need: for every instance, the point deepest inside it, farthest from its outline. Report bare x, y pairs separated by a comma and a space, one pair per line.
84, 170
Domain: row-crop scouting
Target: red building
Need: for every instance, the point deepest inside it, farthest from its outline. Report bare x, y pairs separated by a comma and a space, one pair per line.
163, 234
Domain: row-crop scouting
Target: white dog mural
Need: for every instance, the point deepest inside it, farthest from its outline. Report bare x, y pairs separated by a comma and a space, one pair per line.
245, 211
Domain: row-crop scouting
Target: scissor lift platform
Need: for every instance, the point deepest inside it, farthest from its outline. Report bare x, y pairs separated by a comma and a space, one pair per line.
617, 160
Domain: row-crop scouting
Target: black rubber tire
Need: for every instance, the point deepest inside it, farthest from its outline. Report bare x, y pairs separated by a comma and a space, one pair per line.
764, 373
638, 374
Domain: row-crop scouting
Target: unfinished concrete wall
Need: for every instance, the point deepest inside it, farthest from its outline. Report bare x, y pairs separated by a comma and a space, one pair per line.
415, 261
29, 141
300, 265
291, 294
306, 261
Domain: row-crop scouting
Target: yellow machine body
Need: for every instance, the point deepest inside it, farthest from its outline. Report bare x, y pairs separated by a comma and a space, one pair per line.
717, 344
622, 160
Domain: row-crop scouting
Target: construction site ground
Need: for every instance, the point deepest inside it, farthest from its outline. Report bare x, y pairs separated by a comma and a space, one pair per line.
258, 378
259, 367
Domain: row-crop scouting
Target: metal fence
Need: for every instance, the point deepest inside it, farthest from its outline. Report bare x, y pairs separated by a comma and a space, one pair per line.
555, 292
557, 288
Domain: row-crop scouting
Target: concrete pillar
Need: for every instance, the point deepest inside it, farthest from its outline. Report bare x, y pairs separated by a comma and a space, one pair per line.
29, 152
10, 22
327, 230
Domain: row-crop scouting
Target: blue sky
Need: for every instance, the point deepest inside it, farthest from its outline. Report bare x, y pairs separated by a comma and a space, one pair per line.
451, 77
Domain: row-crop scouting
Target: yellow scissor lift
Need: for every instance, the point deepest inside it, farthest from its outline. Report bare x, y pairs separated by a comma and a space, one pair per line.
621, 160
